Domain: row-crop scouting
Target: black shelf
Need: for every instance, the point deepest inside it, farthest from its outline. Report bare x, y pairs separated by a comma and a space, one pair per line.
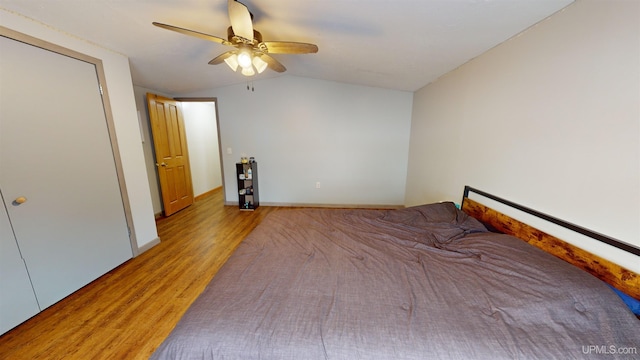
247, 177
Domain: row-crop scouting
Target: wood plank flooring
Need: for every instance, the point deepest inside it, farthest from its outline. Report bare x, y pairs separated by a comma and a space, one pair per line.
129, 311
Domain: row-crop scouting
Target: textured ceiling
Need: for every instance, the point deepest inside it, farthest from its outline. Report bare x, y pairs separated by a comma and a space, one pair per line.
399, 44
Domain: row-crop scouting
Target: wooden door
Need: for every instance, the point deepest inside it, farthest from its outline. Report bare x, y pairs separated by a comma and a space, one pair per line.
172, 155
56, 154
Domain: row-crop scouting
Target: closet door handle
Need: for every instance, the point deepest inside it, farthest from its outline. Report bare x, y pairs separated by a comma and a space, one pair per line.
162, 164
20, 200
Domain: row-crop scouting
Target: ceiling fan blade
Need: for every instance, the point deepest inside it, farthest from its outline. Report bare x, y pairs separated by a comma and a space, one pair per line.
193, 33
273, 64
220, 58
288, 47
240, 18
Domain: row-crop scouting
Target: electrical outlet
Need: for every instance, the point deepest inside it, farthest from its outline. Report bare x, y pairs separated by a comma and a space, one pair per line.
318, 185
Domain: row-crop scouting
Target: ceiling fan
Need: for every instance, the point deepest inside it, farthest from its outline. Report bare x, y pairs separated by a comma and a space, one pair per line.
251, 53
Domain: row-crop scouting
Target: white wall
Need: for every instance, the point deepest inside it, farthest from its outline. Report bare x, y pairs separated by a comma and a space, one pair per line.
550, 119
201, 127
120, 90
351, 139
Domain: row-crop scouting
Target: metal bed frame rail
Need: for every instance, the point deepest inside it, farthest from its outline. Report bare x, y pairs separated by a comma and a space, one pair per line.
579, 229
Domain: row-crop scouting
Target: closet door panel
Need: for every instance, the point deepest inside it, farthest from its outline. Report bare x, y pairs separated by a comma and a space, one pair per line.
17, 300
55, 151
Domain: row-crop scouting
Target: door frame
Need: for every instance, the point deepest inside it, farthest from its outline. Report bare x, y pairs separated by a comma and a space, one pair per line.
27, 39
215, 101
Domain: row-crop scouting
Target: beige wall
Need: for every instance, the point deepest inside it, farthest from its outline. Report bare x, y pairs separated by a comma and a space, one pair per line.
549, 119
352, 139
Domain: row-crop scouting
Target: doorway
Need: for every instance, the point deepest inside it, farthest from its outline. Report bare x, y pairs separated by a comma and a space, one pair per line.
203, 139
204, 148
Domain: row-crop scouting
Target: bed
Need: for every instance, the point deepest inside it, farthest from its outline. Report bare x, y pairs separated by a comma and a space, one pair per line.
428, 281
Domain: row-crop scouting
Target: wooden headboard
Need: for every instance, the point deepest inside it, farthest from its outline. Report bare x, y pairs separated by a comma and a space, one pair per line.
623, 279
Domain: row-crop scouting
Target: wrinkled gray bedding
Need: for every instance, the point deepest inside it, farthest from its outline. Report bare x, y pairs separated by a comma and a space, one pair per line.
426, 282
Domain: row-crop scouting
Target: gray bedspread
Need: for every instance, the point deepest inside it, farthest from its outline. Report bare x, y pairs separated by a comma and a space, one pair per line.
426, 282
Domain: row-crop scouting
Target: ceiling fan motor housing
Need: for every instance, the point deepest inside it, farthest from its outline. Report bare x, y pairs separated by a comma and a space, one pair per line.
236, 39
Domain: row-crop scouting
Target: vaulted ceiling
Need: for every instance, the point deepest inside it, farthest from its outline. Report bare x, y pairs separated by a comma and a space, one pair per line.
394, 44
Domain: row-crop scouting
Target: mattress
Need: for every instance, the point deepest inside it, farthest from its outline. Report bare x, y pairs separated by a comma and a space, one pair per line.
415, 283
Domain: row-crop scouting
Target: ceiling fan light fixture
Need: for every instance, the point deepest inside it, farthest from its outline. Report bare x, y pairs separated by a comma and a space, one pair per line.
232, 61
244, 59
260, 64
248, 71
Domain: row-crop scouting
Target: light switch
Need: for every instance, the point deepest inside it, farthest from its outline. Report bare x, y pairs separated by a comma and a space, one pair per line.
229, 151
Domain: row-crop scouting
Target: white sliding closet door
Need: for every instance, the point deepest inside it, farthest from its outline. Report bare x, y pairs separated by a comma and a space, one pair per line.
55, 151
17, 300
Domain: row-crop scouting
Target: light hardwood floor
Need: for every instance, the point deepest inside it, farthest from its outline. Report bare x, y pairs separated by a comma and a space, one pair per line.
128, 312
